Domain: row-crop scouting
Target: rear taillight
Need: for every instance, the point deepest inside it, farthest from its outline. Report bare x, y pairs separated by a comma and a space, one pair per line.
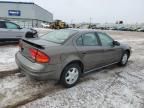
33, 53
39, 56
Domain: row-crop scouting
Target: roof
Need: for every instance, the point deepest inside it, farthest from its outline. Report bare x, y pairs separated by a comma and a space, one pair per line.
83, 30
16, 2
24, 3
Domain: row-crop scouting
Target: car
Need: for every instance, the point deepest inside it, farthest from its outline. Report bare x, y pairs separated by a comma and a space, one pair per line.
10, 31
141, 29
65, 55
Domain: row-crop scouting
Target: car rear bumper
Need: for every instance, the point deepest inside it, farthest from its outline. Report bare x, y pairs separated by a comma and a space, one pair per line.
36, 70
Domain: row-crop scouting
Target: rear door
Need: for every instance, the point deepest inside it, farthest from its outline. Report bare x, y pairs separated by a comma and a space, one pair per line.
3, 30
90, 51
111, 53
13, 31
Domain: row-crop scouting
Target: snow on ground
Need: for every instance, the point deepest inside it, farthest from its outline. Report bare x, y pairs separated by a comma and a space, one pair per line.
7, 60
15, 89
7, 52
113, 87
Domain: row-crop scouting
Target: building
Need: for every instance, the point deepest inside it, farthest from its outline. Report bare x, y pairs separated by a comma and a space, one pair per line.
26, 14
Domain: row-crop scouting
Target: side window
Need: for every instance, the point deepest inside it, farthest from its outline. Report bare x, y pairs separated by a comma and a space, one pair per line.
105, 39
79, 41
90, 39
11, 25
2, 25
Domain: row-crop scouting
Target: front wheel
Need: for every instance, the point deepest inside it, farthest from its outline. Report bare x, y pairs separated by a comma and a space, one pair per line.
124, 59
70, 75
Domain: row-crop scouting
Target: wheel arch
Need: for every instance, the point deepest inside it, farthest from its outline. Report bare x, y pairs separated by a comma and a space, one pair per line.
128, 51
79, 62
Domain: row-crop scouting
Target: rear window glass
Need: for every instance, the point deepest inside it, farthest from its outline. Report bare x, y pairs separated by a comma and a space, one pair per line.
58, 36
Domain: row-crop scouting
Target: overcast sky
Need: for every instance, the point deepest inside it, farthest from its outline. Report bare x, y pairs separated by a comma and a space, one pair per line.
99, 11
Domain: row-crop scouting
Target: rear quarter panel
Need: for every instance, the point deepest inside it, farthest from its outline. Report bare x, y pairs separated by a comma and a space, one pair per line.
61, 56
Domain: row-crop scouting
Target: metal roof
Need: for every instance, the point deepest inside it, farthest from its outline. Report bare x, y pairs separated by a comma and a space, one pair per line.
16, 2
23, 3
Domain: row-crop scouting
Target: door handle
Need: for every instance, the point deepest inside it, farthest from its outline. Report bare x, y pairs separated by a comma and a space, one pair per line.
83, 52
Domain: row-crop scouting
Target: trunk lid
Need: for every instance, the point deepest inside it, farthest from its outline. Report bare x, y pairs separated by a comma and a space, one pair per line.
39, 44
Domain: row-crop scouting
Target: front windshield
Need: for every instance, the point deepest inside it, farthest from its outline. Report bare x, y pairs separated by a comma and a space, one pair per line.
58, 36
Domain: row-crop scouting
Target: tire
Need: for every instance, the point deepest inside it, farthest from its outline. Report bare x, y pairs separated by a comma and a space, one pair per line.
124, 59
70, 75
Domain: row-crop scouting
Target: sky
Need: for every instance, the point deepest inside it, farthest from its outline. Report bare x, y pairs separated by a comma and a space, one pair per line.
95, 11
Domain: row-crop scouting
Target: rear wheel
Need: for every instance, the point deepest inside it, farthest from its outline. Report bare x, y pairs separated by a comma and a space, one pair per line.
70, 75
124, 59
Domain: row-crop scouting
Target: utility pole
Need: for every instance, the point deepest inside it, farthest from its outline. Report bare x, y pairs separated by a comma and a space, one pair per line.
90, 20
71, 21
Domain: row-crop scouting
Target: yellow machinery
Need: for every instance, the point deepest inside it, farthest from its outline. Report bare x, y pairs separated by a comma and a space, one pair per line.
58, 24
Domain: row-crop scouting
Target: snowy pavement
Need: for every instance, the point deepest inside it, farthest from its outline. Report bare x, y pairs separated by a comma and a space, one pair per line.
112, 87
7, 60
7, 52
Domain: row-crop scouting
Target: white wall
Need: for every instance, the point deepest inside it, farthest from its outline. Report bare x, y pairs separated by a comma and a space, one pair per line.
42, 14
28, 11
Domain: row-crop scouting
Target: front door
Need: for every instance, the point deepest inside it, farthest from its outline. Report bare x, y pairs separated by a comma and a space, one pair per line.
3, 30
13, 31
112, 53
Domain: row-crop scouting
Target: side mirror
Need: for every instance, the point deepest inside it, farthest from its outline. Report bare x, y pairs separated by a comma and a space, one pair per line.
116, 43
19, 27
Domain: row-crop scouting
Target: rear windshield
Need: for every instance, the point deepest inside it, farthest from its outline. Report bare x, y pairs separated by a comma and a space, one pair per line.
58, 36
